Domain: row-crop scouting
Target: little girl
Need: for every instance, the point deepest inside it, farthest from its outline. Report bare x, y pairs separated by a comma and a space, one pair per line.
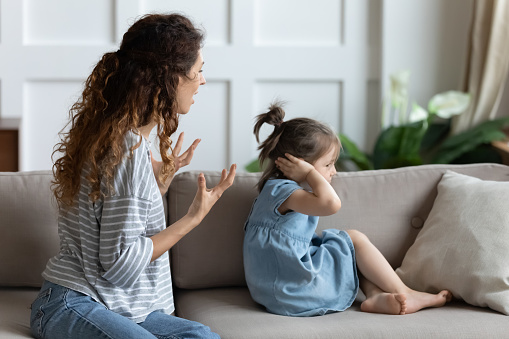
289, 269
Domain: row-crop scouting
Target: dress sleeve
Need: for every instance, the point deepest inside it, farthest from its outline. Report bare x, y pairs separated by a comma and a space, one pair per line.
280, 191
124, 250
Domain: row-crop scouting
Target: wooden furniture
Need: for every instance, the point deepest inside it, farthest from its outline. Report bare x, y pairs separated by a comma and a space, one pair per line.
502, 148
9, 145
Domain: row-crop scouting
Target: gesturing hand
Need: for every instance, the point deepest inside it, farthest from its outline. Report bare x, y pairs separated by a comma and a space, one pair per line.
206, 198
179, 161
185, 158
294, 168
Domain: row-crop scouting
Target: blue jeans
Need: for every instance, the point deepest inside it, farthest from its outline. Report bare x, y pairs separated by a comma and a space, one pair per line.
60, 312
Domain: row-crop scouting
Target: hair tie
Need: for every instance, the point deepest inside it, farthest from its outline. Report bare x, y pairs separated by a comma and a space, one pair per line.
279, 123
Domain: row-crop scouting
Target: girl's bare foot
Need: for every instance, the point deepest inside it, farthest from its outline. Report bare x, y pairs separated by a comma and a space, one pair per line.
419, 300
387, 303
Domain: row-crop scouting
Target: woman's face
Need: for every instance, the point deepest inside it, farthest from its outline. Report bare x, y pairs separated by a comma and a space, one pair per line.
188, 86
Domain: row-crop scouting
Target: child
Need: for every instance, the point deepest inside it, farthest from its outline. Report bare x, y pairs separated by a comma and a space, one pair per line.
289, 269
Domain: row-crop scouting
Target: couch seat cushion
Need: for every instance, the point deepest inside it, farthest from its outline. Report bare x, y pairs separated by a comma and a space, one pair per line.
232, 313
15, 312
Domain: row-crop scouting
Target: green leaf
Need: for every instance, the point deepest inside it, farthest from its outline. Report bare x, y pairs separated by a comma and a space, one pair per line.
351, 152
448, 153
253, 166
481, 154
459, 144
398, 146
434, 135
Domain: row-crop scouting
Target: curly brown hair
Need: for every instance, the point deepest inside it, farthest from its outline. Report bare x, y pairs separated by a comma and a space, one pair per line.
127, 89
301, 137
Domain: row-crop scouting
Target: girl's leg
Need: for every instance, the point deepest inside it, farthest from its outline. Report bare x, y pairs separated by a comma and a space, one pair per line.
167, 326
59, 312
376, 270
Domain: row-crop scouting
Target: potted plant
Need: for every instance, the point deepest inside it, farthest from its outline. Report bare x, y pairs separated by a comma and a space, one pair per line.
422, 136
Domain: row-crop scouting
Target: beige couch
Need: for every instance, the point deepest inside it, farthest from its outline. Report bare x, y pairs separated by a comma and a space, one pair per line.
390, 206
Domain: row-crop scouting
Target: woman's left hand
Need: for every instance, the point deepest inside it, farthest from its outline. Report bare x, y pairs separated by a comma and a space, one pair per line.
179, 161
206, 198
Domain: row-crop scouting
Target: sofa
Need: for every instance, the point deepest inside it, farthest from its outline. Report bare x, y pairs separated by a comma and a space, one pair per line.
389, 206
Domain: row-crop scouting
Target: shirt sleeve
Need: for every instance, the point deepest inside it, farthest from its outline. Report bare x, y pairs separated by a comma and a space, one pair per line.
124, 250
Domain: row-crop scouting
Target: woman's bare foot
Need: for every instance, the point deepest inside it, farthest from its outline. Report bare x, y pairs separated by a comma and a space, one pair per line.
419, 300
387, 303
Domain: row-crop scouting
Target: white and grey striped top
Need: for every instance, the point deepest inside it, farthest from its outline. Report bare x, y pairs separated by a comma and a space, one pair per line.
105, 247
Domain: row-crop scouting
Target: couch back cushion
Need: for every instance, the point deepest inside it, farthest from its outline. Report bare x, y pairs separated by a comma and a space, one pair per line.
389, 206
28, 227
211, 254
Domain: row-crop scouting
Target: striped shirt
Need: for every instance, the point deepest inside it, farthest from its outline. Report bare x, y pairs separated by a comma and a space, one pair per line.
105, 247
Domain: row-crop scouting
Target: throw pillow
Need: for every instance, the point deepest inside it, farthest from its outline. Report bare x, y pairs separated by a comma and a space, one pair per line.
464, 243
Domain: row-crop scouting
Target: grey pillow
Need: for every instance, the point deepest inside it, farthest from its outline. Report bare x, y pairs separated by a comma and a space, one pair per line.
464, 243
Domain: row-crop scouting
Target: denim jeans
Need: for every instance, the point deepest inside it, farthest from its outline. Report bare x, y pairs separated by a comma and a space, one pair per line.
60, 312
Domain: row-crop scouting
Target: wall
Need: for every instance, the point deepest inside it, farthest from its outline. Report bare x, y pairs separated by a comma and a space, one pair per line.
329, 59
429, 38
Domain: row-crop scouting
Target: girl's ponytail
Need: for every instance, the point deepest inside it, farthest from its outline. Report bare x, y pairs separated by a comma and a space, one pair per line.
274, 117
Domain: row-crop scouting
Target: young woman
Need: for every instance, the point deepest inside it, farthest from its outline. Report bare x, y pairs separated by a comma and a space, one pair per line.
290, 269
111, 277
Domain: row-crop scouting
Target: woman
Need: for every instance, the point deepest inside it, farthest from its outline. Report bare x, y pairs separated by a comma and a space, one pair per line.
111, 277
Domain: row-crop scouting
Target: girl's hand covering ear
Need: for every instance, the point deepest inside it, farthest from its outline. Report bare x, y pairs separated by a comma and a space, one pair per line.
294, 168
206, 198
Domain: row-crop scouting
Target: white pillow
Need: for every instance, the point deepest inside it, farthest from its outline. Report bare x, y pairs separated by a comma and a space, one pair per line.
464, 243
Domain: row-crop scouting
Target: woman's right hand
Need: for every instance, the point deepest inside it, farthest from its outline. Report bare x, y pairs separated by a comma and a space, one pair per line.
179, 161
206, 198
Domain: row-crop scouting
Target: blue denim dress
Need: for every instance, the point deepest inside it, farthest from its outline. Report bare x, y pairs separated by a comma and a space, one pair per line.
289, 269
